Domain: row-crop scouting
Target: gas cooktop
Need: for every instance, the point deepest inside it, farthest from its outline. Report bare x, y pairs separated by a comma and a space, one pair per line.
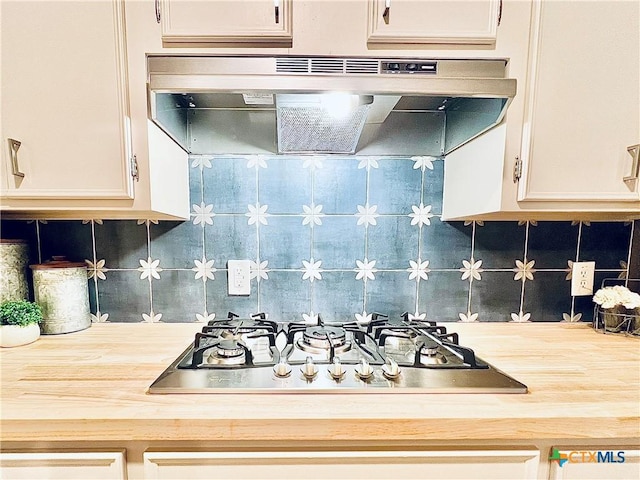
400, 355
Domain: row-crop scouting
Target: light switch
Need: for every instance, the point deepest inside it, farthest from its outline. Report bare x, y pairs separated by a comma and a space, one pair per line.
239, 277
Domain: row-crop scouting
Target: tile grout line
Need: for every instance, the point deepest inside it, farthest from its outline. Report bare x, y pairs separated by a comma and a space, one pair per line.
631, 236
420, 225
397, 270
151, 312
39, 242
312, 232
204, 247
579, 240
525, 260
473, 246
367, 187
258, 253
95, 270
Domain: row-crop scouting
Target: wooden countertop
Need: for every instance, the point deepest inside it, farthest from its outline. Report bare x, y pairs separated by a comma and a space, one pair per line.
91, 386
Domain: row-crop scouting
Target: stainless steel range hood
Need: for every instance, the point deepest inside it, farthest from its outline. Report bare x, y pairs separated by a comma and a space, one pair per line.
322, 105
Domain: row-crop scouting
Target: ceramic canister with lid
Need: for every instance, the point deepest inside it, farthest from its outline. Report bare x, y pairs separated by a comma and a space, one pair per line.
61, 290
14, 258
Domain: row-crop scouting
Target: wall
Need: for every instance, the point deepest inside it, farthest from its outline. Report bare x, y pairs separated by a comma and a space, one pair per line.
343, 237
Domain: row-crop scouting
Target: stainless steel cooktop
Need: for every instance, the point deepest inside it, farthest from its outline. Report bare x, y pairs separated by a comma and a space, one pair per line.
237, 355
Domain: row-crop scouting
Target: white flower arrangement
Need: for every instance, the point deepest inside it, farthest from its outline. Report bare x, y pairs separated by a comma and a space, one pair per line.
616, 296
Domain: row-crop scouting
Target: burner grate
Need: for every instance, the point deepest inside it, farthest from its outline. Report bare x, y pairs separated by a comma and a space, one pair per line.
232, 343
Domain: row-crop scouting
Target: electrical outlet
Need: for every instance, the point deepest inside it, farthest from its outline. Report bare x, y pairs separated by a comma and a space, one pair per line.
239, 277
582, 278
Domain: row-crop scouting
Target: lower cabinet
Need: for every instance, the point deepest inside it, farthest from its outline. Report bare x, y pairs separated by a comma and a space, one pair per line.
372, 465
580, 463
525, 463
63, 465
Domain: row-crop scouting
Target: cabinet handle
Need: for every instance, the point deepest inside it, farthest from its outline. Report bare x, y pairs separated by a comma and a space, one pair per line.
499, 12
157, 11
14, 145
634, 151
276, 9
517, 169
134, 169
387, 8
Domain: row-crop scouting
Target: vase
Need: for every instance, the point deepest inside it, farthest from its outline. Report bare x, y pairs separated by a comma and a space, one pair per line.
16, 335
14, 258
60, 288
615, 319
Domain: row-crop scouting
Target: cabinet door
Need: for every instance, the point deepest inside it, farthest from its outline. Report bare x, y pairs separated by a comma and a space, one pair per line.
584, 102
63, 466
198, 23
594, 464
464, 22
372, 465
64, 100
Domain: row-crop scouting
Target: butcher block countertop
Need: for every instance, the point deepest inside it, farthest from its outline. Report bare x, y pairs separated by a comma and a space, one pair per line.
91, 386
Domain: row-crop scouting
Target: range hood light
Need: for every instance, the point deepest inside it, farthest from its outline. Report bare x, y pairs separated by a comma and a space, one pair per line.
338, 105
341, 105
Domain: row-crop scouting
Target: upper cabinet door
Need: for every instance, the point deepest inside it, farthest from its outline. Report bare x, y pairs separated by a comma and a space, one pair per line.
463, 22
215, 23
64, 100
583, 109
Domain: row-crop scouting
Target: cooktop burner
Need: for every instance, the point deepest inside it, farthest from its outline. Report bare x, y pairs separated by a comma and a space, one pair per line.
324, 338
386, 355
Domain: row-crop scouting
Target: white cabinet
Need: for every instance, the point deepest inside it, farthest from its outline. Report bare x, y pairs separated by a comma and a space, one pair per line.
568, 144
583, 107
464, 22
63, 465
86, 149
64, 99
196, 23
420, 28
592, 463
372, 465
212, 23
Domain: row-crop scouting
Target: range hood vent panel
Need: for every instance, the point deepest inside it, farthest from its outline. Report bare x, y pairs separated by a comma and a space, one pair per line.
359, 65
327, 65
292, 65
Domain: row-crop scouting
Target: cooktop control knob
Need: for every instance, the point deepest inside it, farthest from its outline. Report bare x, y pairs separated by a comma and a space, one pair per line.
364, 370
336, 370
282, 369
309, 369
390, 369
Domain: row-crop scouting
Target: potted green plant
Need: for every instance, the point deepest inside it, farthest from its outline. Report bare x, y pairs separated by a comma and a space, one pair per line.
19, 322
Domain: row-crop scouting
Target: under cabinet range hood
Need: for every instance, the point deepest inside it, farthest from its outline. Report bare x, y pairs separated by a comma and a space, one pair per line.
326, 105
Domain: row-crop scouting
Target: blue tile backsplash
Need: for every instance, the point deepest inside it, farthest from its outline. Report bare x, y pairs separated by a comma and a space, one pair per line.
342, 237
